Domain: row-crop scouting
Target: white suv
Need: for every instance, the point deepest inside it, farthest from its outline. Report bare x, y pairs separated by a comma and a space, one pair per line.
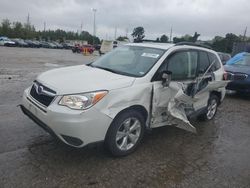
130, 89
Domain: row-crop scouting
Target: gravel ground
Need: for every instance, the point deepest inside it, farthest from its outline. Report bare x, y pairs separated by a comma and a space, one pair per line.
217, 156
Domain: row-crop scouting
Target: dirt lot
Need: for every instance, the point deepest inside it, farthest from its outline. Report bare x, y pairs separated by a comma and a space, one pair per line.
218, 156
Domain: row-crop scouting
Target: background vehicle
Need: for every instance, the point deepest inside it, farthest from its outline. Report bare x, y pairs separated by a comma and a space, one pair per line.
130, 89
80, 49
238, 69
20, 43
224, 57
5, 41
58, 46
33, 44
67, 45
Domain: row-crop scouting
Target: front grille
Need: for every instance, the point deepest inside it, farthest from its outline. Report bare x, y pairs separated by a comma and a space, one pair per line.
238, 76
42, 94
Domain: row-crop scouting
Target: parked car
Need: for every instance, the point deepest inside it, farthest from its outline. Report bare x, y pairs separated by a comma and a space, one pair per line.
32, 44
52, 45
67, 45
132, 88
58, 46
238, 69
48, 45
44, 44
37, 43
5, 41
224, 57
20, 43
80, 49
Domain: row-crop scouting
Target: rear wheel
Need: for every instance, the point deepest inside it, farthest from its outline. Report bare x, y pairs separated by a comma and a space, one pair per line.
211, 108
125, 133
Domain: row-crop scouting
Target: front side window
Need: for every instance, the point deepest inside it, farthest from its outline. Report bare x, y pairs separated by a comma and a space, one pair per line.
129, 60
183, 65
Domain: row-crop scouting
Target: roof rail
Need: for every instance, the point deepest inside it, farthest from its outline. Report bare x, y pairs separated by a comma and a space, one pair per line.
193, 44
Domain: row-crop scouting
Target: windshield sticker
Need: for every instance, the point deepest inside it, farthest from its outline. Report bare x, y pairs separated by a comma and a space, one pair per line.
150, 55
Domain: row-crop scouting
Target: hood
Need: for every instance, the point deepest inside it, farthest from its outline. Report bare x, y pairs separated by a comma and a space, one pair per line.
79, 79
237, 69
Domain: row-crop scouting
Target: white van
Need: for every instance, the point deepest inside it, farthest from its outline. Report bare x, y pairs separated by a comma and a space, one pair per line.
132, 88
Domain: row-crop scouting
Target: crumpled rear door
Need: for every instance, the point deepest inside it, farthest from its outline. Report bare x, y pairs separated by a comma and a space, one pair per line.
170, 104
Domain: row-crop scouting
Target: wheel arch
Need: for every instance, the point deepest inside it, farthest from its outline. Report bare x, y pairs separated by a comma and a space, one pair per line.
218, 94
141, 109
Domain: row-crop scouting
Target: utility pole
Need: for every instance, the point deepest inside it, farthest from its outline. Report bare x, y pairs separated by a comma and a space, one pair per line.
245, 33
171, 32
28, 19
115, 32
44, 26
94, 26
81, 27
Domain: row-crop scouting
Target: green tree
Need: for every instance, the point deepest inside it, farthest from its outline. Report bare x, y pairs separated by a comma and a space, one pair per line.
164, 39
122, 38
6, 27
138, 34
195, 37
18, 30
225, 44
28, 31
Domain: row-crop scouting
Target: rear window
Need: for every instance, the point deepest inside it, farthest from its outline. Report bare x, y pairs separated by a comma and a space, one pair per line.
213, 59
245, 61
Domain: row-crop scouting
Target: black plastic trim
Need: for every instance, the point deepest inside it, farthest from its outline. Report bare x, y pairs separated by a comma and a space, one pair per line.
38, 121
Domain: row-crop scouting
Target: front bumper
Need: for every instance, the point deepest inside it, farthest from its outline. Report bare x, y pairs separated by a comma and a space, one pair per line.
241, 86
73, 127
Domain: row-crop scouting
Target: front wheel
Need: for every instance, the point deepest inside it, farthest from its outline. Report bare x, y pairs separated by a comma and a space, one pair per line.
211, 110
125, 133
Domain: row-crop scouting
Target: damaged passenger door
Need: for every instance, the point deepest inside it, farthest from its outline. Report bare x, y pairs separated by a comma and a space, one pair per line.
170, 101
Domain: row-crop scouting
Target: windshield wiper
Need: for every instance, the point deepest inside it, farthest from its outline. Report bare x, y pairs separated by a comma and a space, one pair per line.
107, 69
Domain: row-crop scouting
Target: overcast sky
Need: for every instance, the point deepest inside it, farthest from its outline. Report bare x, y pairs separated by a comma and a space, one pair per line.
207, 17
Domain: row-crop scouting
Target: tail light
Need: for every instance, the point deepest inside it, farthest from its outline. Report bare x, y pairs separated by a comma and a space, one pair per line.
225, 76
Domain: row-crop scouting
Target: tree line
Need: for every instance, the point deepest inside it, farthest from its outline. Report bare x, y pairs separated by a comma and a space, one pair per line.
218, 43
28, 31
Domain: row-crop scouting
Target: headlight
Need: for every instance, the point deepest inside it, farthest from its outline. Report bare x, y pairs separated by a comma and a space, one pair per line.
82, 101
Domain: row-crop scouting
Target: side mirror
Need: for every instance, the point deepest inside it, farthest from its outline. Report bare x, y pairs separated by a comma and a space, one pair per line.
166, 78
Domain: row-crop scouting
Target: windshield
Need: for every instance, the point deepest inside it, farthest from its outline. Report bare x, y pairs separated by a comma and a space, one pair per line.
245, 61
129, 60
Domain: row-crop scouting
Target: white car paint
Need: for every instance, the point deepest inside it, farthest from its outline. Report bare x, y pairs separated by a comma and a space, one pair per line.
5, 40
91, 125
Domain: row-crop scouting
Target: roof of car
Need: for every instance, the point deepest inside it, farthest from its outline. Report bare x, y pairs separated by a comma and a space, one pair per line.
163, 46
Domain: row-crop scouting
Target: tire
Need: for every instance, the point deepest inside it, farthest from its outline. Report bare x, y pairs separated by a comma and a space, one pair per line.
131, 127
211, 110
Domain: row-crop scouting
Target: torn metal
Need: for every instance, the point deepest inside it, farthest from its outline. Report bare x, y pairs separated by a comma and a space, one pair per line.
173, 104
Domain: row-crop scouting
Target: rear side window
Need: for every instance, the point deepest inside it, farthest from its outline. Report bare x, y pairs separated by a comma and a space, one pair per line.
183, 65
203, 62
213, 58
